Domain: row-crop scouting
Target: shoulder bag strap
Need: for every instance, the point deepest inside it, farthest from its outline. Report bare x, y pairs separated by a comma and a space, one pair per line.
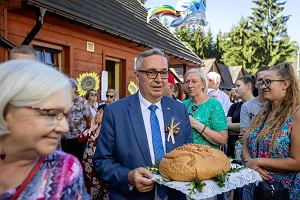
29, 178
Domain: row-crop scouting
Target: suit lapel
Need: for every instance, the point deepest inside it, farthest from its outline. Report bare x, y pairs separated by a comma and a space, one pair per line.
137, 122
167, 107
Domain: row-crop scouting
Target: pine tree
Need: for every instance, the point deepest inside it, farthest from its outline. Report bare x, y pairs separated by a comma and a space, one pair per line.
270, 32
209, 51
260, 39
198, 42
237, 46
217, 48
184, 34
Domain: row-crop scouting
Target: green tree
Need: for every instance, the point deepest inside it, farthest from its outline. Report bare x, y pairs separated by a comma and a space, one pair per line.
209, 45
237, 45
197, 40
261, 39
184, 34
217, 48
269, 27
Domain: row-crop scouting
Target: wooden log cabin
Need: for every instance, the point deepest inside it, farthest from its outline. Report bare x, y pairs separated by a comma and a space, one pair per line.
79, 36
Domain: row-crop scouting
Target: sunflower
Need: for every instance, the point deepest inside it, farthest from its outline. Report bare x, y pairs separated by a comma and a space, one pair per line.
86, 82
132, 87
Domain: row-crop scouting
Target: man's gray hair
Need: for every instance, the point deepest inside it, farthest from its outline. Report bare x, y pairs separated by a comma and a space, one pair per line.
215, 77
145, 54
201, 74
22, 49
26, 82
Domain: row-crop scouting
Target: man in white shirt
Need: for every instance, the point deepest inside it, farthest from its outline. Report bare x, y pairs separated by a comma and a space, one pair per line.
133, 134
214, 80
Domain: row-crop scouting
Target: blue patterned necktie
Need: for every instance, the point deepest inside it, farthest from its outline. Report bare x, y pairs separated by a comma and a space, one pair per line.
157, 146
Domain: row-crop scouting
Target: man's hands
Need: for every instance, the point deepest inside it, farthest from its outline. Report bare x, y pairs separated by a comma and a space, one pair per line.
140, 178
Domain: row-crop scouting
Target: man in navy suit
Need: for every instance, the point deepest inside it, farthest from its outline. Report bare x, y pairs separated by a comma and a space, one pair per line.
129, 128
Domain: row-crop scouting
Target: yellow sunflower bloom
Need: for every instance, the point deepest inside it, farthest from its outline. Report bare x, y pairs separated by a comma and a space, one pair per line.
86, 82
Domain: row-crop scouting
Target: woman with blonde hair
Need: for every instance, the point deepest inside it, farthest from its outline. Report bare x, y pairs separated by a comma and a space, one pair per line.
110, 96
272, 142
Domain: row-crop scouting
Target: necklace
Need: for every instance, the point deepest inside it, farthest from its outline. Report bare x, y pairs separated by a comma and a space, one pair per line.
2, 154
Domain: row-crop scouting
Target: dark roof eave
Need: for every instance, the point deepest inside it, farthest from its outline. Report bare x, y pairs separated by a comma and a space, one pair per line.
99, 27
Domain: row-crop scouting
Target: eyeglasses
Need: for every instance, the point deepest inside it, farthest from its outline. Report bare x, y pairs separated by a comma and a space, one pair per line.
268, 82
111, 96
152, 74
51, 113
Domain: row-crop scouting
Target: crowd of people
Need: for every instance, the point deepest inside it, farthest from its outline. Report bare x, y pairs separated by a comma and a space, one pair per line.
55, 144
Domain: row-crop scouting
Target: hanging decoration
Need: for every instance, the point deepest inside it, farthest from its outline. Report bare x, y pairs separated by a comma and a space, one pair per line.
132, 87
86, 82
187, 12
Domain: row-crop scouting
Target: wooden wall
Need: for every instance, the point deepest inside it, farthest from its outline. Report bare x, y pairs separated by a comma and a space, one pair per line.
73, 38
3, 33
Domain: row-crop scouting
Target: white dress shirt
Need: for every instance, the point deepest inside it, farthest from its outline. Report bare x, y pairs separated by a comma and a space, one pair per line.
146, 117
222, 97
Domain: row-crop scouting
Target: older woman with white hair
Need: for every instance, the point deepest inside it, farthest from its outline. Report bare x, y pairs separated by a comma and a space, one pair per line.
207, 117
34, 102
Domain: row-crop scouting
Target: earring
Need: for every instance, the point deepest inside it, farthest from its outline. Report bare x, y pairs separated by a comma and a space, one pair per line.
2, 154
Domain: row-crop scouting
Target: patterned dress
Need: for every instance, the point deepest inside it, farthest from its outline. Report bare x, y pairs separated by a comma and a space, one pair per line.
80, 110
59, 177
96, 187
289, 180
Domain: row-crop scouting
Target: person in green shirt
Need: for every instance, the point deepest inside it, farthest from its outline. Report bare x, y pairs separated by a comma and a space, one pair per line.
207, 116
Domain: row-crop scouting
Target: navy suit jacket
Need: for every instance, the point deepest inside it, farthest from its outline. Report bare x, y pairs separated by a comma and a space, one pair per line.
122, 144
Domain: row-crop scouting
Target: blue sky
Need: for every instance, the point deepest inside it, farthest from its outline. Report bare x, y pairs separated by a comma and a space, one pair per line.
222, 15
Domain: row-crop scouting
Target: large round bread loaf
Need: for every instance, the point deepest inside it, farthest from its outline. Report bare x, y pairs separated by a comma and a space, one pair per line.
191, 161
